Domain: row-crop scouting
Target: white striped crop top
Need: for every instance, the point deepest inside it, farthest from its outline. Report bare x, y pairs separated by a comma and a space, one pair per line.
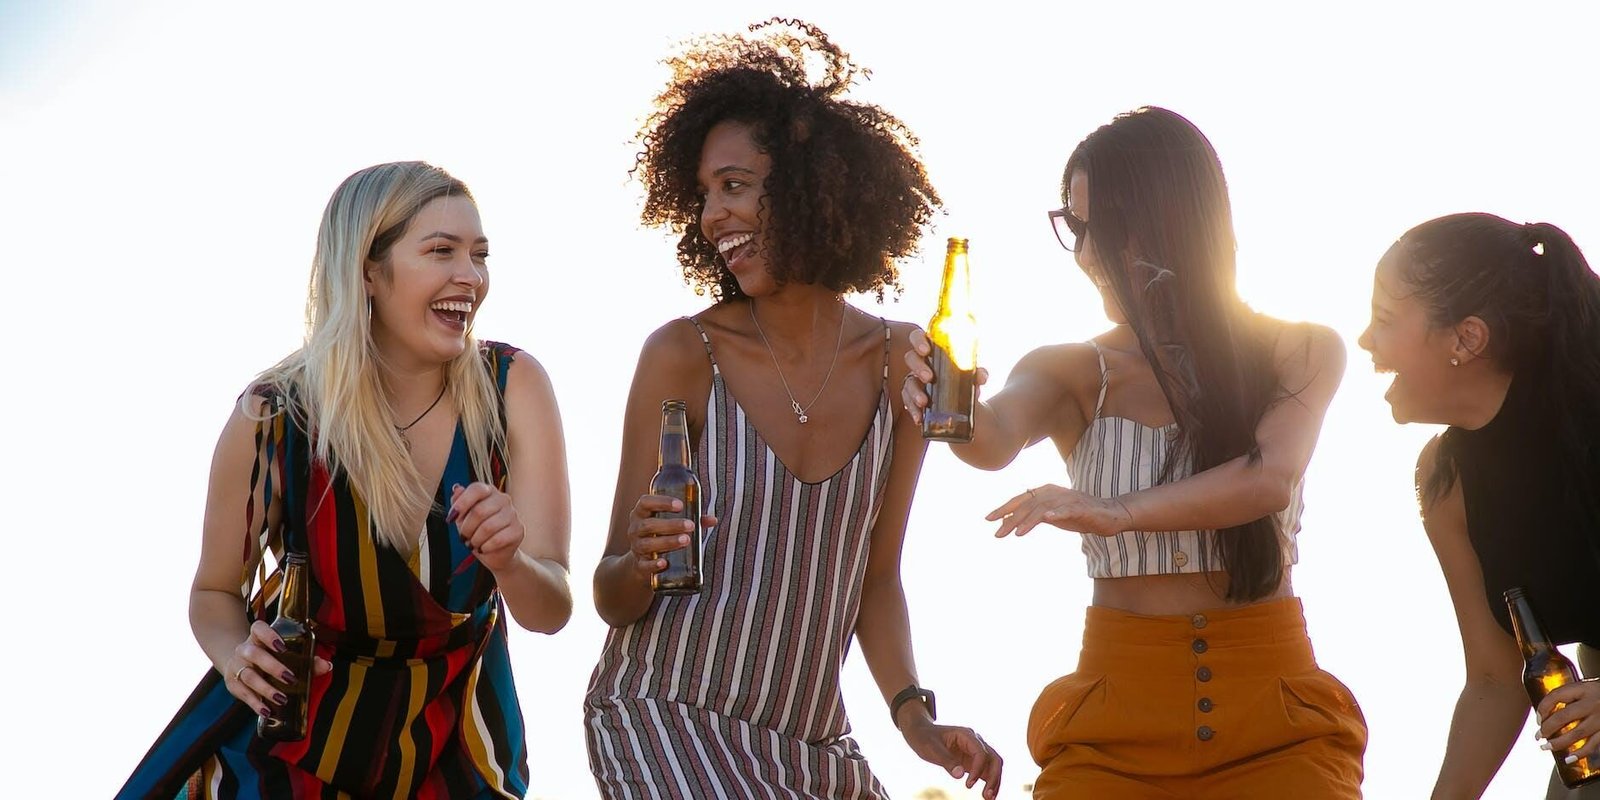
1116, 456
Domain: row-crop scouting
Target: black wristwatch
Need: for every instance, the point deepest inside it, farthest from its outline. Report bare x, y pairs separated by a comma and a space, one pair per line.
906, 695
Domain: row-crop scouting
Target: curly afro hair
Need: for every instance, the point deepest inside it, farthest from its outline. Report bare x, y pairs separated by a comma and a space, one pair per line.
846, 196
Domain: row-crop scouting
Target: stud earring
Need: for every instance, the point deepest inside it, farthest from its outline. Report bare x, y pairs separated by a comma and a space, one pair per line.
1455, 362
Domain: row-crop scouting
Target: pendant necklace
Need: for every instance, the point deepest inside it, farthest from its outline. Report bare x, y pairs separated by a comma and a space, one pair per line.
799, 410
402, 430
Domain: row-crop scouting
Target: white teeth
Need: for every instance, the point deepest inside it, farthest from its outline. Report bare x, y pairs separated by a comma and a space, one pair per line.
452, 305
728, 244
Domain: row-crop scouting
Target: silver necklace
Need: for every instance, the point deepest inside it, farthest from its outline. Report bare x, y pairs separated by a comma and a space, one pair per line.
799, 410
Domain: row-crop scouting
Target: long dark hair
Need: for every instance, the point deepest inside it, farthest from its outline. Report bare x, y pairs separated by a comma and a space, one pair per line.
1532, 287
1161, 227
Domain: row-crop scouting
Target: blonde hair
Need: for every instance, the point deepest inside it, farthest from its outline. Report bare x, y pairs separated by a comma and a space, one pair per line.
335, 376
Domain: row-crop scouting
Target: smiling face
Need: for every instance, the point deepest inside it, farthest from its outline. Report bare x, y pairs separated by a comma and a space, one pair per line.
731, 177
1088, 261
427, 291
1403, 341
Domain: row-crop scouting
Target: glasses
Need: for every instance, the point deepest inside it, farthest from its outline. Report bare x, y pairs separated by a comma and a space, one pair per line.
1069, 229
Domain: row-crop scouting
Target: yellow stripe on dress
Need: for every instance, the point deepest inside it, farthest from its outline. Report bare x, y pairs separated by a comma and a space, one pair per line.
333, 745
367, 559
418, 673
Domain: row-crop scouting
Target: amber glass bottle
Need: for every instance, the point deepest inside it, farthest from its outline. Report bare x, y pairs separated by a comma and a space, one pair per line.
953, 332
1544, 670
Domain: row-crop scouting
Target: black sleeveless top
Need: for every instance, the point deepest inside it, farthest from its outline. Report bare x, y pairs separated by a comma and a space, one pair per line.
1523, 517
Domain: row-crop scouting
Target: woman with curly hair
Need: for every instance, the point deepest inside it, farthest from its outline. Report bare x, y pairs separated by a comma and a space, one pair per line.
786, 197
422, 474
1186, 429
1493, 328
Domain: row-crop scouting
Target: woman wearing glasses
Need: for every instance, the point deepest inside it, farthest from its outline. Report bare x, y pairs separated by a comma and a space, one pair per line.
1186, 431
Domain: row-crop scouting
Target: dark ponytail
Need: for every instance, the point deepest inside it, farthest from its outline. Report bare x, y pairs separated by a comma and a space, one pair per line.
1572, 361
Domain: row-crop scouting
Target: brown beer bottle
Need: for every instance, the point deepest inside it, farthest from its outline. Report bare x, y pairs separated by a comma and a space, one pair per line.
288, 722
953, 332
1545, 669
675, 478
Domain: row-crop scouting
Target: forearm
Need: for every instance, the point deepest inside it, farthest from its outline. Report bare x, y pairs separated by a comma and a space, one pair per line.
1232, 493
1485, 725
621, 594
537, 593
883, 628
994, 444
219, 622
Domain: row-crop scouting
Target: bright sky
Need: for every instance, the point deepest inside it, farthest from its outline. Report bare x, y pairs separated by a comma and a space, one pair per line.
165, 164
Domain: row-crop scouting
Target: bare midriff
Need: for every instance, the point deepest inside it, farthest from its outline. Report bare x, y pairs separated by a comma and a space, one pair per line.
1187, 593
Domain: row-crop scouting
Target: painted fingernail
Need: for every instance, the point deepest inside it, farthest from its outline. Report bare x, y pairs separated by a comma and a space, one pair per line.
265, 712
288, 677
1569, 759
278, 645
280, 698
450, 517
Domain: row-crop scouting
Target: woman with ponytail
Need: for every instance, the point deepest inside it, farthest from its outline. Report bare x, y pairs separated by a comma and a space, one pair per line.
422, 475
1493, 328
1186, 431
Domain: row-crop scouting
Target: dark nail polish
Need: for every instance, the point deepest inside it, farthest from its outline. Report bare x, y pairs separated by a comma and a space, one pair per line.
280, 698
450, 517
264, 711
278, 645
288, 677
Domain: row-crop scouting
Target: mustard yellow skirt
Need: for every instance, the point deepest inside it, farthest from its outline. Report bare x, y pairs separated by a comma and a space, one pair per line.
1225, 704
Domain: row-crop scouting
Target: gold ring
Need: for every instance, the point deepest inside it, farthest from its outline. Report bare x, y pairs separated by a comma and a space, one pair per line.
238, 677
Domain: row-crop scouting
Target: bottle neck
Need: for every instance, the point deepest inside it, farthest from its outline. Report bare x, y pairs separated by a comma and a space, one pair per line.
956, 286
1531, 636
294, 602
953, 328
674, 438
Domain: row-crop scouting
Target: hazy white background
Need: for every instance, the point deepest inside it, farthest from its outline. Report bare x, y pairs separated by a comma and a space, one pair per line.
164, 164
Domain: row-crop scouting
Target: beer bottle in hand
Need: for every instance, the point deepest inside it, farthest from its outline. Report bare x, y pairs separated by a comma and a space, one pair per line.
675, 478
1545, 669
288, 722
953, 332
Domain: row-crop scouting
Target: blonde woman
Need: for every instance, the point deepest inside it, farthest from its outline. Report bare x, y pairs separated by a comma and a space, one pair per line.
423, 474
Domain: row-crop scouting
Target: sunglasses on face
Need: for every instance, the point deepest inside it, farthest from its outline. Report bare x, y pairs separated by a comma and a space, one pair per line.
1069, 229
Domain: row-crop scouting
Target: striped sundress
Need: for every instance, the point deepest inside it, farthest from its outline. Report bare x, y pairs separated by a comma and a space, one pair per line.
734, 692
420, 702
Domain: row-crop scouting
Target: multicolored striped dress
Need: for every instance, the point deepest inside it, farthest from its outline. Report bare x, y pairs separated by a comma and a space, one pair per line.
734, 692
420, 702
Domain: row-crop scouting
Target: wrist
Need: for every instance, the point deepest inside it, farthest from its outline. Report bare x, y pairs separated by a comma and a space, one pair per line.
912, 707
1124, 517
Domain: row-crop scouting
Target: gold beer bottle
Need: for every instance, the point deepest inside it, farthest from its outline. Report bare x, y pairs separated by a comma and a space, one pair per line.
1545, 669
953, 332
675, 478
288, 722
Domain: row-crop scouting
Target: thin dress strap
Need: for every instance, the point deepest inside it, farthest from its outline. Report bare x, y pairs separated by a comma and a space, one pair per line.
1105, 379
886, 343
715, 370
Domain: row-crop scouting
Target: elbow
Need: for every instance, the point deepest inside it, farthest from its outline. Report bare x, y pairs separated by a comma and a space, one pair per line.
552, 621
615, 617
1275, 495
1273, 490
